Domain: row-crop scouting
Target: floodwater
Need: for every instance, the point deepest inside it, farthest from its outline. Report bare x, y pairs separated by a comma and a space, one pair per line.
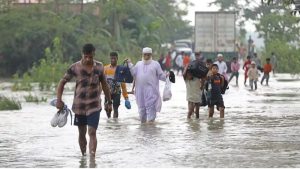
260, 129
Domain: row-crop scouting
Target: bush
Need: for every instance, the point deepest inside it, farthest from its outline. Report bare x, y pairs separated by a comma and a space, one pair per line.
47, 72
35, 99
23, 84
287, 55
9, 104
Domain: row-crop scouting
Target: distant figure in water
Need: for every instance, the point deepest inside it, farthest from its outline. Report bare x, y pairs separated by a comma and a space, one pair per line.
253, 75
235, 67
222, 65
90, 77
246, 68
267, 70
147, 74
273, 62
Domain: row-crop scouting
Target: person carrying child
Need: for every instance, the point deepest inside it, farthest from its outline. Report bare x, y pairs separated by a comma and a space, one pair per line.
253, 75
214, 85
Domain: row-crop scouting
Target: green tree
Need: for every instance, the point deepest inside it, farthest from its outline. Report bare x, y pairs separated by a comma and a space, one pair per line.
123, 26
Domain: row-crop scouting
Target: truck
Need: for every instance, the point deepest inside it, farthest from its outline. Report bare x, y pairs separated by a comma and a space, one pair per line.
215, 32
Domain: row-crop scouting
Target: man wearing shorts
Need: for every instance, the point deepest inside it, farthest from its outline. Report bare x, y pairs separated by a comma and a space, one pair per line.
87, 102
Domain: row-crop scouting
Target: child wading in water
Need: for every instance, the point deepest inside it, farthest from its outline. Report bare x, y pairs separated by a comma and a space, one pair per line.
214, 96
253, 75
267, 70
246, 68
194, 88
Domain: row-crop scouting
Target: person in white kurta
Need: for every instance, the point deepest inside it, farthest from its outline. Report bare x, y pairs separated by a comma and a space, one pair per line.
147, 74
222, 66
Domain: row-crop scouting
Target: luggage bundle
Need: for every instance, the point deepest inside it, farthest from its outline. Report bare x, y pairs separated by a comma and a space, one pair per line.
198, 69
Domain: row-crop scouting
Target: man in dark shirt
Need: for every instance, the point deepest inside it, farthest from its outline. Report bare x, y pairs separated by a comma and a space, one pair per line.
87, 102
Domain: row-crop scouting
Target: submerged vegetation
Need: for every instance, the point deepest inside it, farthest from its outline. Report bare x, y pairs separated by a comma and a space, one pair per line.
9, 103
35, 99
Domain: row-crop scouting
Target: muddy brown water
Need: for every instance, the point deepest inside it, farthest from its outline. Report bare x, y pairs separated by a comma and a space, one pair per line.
260, 129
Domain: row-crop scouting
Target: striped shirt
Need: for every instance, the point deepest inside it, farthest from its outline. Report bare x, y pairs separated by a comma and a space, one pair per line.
115, 88
88, 89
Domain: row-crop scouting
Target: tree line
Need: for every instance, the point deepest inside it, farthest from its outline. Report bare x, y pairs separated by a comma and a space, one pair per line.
276, 23
27, 33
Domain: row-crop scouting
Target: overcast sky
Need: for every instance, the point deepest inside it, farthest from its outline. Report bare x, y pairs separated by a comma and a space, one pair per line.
202, 5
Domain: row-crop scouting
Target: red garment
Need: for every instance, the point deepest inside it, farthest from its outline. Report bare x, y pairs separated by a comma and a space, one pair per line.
168, 61
247, 65
186, 60
267, 68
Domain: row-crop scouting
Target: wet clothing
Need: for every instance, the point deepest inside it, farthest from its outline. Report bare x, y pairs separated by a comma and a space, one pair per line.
147, 75
168, 63
179, 61
222, 67
116, 100
90, 120
186, 60
267, 68
161, 62
234, 74
115, 87
253, 74
235, 67
193, 90
267, 77
257, 61
215, 93
88, 89
246, 67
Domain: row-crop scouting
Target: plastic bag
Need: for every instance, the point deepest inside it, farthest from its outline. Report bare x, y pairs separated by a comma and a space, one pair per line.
167, 94
127, 104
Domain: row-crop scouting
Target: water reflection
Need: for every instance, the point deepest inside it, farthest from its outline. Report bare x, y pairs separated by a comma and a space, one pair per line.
194, 124
215, 124
92, 162
83, 163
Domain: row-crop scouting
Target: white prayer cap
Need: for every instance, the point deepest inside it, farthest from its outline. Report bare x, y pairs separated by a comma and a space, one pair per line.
147, 50
219, 55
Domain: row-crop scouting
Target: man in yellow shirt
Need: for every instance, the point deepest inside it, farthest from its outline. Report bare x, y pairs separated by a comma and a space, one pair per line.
115, 87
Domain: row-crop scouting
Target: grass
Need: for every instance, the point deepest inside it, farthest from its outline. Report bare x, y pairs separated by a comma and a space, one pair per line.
9, 104
35, 99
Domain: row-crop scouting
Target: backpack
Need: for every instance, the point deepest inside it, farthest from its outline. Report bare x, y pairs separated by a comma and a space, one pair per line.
225, 84
223, 88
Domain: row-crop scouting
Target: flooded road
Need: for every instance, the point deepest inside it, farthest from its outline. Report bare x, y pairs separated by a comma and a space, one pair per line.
260, 129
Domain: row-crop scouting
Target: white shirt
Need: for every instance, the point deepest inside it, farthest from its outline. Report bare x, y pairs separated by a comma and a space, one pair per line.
179, 61
222, 67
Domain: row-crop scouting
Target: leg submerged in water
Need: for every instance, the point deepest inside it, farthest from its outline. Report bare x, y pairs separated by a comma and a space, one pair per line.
93, 141
211, 111
190, 109
197, 109
82, 139
222, 112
